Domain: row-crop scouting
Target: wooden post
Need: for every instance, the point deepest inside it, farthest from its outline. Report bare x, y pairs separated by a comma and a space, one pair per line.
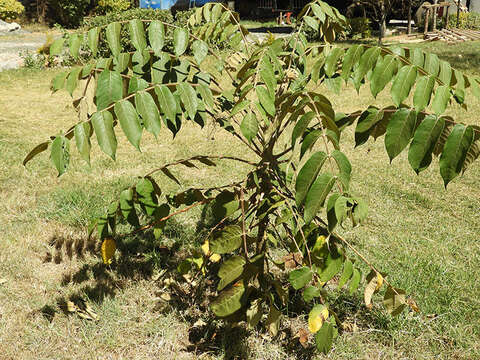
446, 15
435, 15
409, 27
427, 14
458, 13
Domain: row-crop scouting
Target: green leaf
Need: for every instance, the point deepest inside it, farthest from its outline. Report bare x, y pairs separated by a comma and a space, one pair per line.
341, 208
423, 92
332, 60
180, 41
103, 125
307, 176
206, 95
82, 135
346, 274
355, 281
360, 211
229, 301
266, 100
432, 64
475, 86
200, 50
226, 240
455, 151
309, 141
189, 98
60, 154
156, 36
57, 47
137, 34
331, 215
127, 207
317, 195
394, 301
113, 38
383, 74
310, 293
167, 102
58, 82
400, 131
344, 167
147, 195
122, 61
254, 313
109, 89
74, 43
230, 270
332, 265
72, 80
366, 63
351, 58
92, 39
445, 72
424, 141
417, 57
300, 277
403, 84
129, 121
36, 150
302, 125
148, 110
324, 338
249, 127
273, 320
441, 99
367, 124
224, 205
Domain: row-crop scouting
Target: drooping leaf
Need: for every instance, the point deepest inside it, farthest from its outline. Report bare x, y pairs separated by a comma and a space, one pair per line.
354, 281
35, 151
137, 34
383, 74
249, 126
229, 300
317, 316
230, 270
103, 125
109, 89
156, 36
113, 37
226, 240
317, 194
180, 41
310, 293
300, 277
324, 337
57, 47
72, 80
455, 152
189, 98
273, 320
148, 110
394, 301
374, 283
344, 168
366, 63
346, 274
60, 154
424, 141
82, 134
441, 99
58, 82
332, 60
301, 125
167, 102
147, 197
331, 215
200, 50
445, 72
254, 313
74, 43
92, 39
266, 99
108, 250
129, 122
432, 64
400, 131
423, 92
403, 84
307, 176
351, 58
332, 265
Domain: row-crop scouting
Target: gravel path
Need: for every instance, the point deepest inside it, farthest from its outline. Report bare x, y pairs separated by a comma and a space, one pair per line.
11, 44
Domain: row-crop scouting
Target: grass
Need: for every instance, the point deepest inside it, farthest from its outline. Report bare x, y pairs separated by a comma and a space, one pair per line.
424, 237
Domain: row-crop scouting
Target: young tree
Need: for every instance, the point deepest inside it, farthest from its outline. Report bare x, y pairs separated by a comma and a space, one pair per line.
298, 190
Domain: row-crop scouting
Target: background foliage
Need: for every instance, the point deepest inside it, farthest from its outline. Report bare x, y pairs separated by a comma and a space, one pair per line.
10, 9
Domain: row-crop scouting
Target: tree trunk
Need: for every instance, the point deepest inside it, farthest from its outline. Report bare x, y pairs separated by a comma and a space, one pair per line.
435, 15
409, 26
382, 23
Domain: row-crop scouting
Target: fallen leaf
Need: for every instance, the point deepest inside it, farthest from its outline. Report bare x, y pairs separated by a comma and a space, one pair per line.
303, 336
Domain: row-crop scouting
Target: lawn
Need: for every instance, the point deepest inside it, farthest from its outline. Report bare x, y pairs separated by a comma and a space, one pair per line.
423, 236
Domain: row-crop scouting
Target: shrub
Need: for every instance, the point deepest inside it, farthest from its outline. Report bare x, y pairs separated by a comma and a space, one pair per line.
107, 6
470, 21
10, 9
277, 230
359, 28
68, 13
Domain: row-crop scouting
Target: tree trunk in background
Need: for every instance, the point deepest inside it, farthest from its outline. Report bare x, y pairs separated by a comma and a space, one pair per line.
382, 23
435, 15
409, 26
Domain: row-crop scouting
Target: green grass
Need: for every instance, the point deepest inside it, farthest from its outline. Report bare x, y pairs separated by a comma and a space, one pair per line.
424, 237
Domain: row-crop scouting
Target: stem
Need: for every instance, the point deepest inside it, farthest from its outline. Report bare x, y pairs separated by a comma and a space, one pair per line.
244, 234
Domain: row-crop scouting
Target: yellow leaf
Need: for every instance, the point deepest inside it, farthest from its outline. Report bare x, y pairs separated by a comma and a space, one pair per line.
215, 258
71, 307
108, 250
379, 282
316, 318
206, 248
